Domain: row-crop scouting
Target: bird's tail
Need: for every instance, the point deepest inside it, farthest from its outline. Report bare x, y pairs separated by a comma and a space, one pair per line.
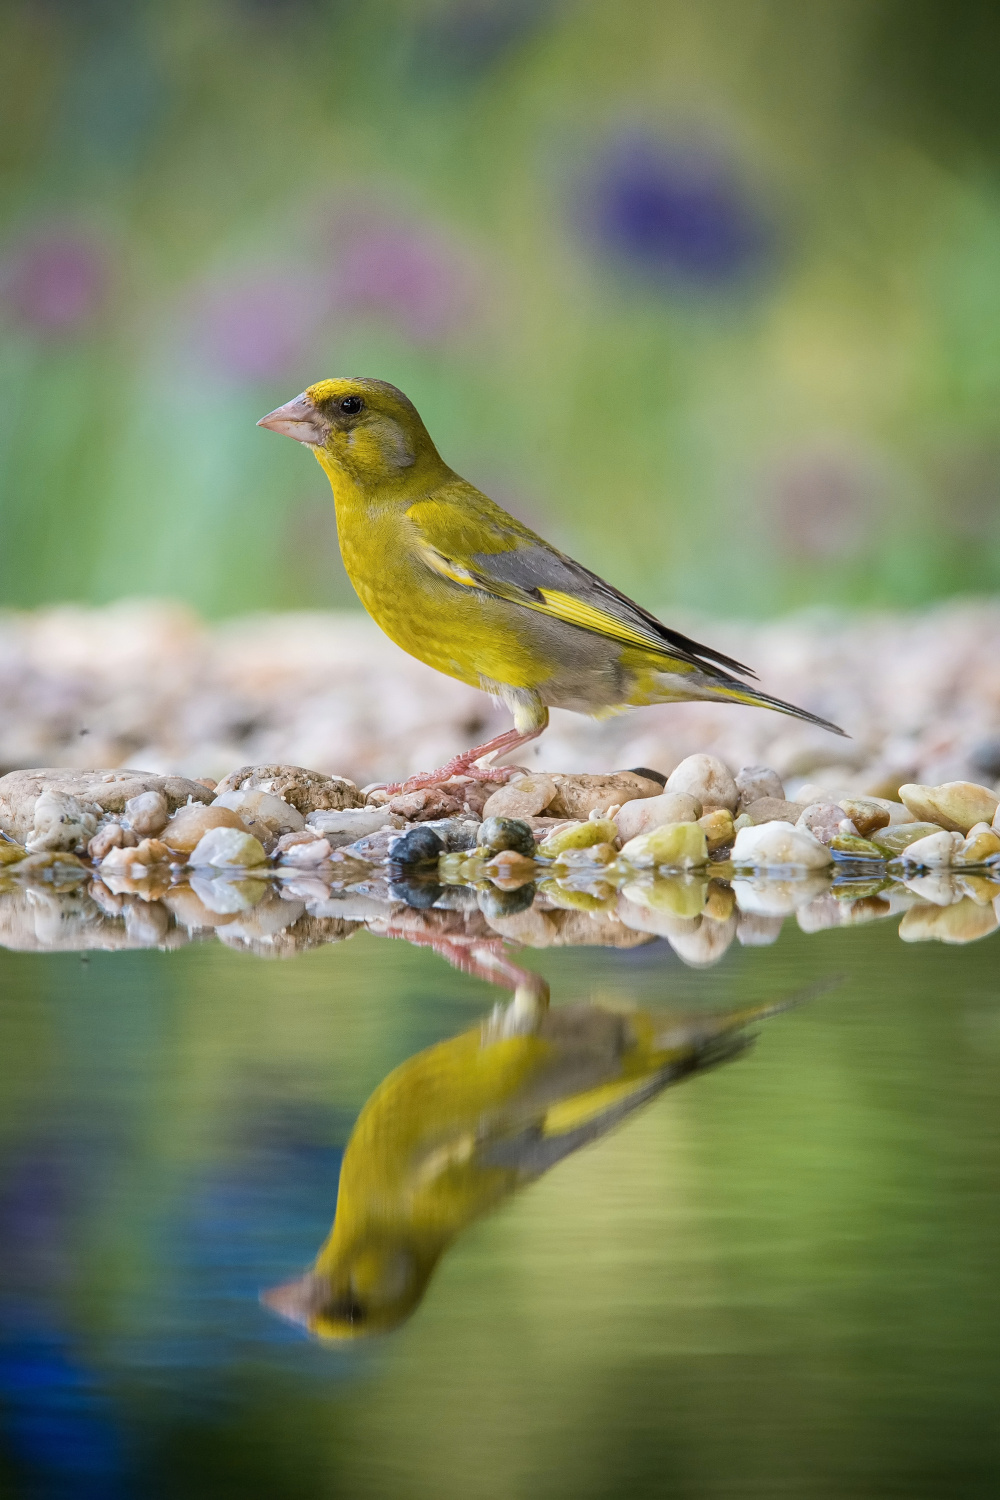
665, 680
728, 690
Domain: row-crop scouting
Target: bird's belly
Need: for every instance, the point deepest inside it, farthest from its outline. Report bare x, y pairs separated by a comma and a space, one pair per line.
463, 633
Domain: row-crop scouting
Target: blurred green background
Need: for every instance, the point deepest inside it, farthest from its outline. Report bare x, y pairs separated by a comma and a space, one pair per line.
708, 292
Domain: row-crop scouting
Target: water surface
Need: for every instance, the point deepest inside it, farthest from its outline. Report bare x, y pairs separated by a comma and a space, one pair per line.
779, 1277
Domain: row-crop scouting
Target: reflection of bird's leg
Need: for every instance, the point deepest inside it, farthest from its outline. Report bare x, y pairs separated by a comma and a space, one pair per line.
485, 958
531, 718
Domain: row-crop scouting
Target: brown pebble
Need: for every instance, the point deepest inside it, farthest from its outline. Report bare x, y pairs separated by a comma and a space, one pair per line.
867, 816
189, 824
421, 807
774, 810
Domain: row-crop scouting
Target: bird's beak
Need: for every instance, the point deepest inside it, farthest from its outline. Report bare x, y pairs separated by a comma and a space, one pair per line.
300, 420
299, 1301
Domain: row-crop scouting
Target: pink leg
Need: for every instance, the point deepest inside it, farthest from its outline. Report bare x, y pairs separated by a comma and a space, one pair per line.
465, 764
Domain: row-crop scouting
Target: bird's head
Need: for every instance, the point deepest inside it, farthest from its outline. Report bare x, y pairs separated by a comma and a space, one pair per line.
370, 1289
364, 428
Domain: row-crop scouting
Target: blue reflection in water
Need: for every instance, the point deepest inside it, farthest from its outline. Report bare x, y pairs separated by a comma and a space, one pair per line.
60, 1428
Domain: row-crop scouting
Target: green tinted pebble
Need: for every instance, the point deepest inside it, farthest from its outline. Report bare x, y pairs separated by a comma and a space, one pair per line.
506, 833
10, 854
679, 846
578, 836
850, 843
898, 836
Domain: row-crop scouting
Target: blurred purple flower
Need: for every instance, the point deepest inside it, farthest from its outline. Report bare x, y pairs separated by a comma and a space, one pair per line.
413, 276
54, 282
676, 213
257, 328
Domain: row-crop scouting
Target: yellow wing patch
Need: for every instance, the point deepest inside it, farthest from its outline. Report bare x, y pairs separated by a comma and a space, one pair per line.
554, 603
579, 1110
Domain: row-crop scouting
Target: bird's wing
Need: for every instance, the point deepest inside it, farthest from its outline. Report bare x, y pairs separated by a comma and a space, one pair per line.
490, 551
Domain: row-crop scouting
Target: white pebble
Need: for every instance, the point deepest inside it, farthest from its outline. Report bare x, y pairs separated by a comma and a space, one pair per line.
228, 846
779, 843
937, 850
707, 779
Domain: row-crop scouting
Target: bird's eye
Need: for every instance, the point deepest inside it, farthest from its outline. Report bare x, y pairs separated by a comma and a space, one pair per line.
351, 405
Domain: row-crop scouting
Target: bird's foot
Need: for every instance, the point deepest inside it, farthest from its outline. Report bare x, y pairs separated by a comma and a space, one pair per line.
460, 766
467, 764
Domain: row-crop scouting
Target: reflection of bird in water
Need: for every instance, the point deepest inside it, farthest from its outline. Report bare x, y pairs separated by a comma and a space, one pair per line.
459, 1127
463, 586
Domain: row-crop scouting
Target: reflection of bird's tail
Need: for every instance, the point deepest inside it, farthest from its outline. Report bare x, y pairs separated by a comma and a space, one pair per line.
715, 1038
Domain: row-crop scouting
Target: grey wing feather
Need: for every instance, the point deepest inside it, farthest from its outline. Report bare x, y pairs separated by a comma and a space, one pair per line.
534, 567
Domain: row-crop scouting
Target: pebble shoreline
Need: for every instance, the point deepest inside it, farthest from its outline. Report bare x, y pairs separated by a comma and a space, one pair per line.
702, 857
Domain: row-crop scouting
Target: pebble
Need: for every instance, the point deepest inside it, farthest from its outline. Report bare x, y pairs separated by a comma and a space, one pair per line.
264, 814
343, 826
964, 922
420, 807
10, 854
96, 791
755, 782
822, 820
227, 847
936, 850
774, 810
582, 835
855, 847
707, 779
679, 846
110, 835
955, 805
146, 814
307, 791
897, 836
645, 813
719, 827
524, 797
779, 843
60, 823
866, 814
122, 861
417, 846
579, 795
188, 827
981, 844
310, 851
495, 833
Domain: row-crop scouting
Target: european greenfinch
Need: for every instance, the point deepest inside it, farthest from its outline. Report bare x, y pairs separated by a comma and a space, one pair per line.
463, 586
461, 1126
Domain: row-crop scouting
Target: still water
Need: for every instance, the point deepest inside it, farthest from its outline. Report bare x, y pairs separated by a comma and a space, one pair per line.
777, 1276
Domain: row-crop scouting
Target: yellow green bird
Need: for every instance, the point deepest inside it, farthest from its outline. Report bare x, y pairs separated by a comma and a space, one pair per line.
466, 588
461, 1126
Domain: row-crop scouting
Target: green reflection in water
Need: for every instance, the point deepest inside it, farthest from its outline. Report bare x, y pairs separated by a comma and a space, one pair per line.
779, 1281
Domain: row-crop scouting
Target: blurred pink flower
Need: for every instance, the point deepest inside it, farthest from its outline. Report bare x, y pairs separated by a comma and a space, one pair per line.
412, 275
55, 281
257, 327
